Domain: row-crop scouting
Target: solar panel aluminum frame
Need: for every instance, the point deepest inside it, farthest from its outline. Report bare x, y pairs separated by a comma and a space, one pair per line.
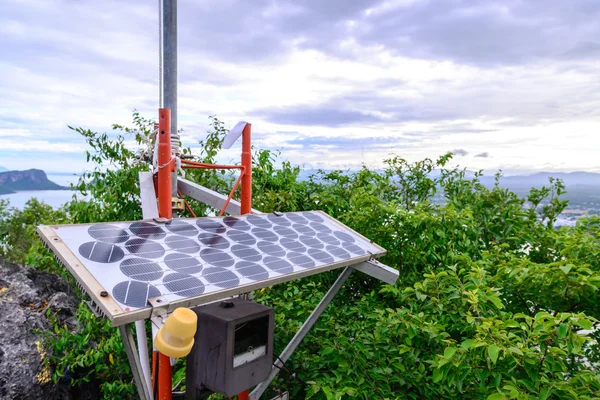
118, 316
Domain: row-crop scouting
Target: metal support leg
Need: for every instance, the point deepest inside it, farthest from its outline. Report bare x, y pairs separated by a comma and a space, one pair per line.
142, 345
134, 362
293, 344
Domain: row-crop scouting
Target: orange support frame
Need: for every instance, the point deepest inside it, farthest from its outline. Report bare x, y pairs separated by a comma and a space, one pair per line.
166, 164
246, 197
245, 175
162, 380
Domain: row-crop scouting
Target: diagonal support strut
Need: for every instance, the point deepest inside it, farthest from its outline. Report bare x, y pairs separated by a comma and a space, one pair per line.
304, 329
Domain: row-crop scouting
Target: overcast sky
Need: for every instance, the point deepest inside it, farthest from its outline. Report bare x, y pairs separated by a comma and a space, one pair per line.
510, 84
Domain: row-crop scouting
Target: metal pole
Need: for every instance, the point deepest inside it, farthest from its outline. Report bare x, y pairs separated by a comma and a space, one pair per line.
304, 329
134, 362
169, 62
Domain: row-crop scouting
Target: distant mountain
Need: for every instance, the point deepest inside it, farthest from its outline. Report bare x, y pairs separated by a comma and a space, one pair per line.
528, 181
2, 169
32, 179
541, 178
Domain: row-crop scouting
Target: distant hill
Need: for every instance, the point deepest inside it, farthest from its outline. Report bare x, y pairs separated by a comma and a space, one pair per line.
541, 178
2, 169
32, 179
514, 181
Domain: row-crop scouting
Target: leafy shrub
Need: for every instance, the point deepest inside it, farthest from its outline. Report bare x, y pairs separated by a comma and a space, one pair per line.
492, 301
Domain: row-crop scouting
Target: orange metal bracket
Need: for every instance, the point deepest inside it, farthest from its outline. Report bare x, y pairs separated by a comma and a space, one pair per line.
246, 197
166, 164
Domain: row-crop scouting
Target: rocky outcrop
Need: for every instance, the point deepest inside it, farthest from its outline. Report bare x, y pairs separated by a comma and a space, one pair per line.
25, 296
32, 179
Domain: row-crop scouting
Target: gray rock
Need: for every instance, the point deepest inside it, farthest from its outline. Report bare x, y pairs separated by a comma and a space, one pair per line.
25, 295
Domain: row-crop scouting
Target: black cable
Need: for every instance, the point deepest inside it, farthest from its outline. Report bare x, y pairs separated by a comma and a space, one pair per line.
292, 374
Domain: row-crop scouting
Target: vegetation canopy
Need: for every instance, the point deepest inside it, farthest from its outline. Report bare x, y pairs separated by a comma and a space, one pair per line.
493, 301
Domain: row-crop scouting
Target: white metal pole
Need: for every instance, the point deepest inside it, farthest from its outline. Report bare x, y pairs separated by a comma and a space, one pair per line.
142, 344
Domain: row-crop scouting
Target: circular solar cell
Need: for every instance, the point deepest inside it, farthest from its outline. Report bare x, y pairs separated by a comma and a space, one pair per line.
320, 227
147, 230
183, 285
344, 237
293, 245
183, 263
300, 260
210, 226
140, 269
246, 253
236, 223
271, 249
221, 277
108, 233
320, 256
217, 258
134, 293
264, 234
261, 222
278, 265
304, 229
313, 216
311, 242
241, 237
251, 270
327, 238
145, 248
182, 244
338, 252
296, 218
279, 220
352, 248
285, 232
181, 228
101, 252
213, 240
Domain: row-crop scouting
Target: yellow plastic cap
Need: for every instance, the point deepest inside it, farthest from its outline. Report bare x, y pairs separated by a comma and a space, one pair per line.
176, 337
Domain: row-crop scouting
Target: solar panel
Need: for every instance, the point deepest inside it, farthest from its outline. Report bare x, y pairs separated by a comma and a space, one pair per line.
192, 261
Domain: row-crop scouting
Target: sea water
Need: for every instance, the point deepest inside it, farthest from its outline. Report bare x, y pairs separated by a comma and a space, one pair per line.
55, 198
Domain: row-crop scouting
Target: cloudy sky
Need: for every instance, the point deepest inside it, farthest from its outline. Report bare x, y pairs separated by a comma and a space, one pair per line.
510, 84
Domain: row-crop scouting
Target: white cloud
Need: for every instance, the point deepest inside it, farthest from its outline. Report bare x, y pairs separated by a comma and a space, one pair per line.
89, 64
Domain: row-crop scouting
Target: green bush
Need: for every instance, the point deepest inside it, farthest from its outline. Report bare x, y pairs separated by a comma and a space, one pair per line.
492, 302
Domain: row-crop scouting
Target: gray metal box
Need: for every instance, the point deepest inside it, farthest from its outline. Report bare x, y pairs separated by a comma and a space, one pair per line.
233, 348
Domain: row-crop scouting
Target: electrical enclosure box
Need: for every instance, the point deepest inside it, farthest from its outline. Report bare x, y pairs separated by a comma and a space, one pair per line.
233, 348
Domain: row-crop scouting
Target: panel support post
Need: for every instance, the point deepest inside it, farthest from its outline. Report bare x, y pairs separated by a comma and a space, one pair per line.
166, 164
304, 329
134, 362
246, 196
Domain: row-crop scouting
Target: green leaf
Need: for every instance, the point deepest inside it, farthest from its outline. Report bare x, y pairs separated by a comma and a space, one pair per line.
585, 323
449, 352
563, 329
467, 343
497, 302
565, 268
496, 396
545, 393
327, 350
493, 353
